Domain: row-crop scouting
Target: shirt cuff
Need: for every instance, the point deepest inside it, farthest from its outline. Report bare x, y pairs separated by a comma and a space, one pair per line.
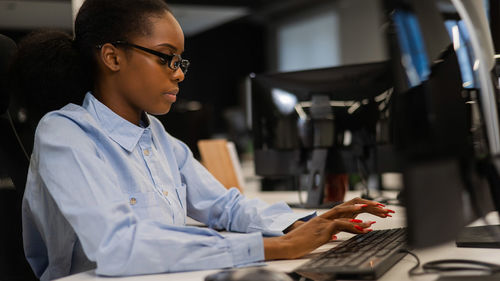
289, 219
246, 248
279, 223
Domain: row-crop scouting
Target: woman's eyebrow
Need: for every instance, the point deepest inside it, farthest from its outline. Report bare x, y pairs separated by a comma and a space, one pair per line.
168, 46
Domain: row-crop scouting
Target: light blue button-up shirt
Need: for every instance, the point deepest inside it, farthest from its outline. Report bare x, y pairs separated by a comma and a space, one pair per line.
105, 193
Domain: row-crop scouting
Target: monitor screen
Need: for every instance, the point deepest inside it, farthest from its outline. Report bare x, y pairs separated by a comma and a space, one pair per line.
440, 130
330, 113
427, 103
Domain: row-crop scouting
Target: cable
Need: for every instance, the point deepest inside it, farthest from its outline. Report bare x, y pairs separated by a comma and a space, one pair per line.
412, 272
363, 175
468, 265
449, 265
298, 183
17, 136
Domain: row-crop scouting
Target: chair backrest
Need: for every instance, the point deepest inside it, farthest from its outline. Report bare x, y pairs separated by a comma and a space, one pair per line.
8, 49
12, 149
221, 160
13, 265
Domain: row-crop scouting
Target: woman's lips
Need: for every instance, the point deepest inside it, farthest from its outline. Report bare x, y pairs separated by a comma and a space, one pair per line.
171, 95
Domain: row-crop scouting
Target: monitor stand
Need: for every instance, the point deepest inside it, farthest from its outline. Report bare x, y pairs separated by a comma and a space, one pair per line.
316, 178
315, 183
487, 236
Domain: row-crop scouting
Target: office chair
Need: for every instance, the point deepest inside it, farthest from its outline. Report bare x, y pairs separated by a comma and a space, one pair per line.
13, 264
221, 159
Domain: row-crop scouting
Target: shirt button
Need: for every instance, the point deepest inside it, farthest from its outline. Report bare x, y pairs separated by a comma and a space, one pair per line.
146, 152
165, 193
133, 201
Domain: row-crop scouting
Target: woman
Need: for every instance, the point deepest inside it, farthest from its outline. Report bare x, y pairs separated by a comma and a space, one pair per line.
109, 189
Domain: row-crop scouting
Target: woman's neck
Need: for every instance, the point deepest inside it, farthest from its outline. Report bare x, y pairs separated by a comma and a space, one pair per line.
119, 104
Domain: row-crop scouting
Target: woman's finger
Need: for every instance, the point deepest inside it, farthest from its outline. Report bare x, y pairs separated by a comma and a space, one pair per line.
356, 228
361, 223
351, 211
379, 211
357, 201
343, 211
373, 208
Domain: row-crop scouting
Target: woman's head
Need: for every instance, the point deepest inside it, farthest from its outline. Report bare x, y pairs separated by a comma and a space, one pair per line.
127, 79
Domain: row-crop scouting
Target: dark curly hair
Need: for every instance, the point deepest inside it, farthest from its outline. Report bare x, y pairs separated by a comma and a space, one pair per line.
53, 68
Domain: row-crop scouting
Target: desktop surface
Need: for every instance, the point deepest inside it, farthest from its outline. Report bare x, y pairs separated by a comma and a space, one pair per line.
397, 273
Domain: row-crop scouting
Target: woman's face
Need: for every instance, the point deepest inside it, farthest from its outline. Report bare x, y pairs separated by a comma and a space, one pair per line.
144, 83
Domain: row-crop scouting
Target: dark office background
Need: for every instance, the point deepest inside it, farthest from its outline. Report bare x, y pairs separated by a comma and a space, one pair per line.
211, 101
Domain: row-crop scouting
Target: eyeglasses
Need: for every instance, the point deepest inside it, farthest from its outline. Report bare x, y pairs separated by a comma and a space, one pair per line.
174, 61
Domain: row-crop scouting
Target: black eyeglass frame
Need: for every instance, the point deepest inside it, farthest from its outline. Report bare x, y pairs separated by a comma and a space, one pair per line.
183, 64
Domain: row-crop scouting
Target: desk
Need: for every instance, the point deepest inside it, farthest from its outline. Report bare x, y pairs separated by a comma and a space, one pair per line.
397, 273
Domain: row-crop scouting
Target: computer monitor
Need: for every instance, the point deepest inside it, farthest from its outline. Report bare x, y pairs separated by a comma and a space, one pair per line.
430, 113
309, 125
446, 119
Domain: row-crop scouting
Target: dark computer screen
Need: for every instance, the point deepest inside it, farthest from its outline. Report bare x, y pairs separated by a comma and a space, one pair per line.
423, 113
442, 127
308, 124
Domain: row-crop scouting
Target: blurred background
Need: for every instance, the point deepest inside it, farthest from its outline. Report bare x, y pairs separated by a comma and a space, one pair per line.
226, 41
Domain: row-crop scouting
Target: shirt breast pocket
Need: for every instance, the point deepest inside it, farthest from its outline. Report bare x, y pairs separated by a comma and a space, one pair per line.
145, 204
181, 195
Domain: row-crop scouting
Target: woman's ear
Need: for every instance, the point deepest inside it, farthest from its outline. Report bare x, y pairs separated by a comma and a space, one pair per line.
110, 57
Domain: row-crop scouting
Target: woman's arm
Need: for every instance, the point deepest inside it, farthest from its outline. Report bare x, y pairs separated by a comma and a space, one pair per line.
70, 173
211, 203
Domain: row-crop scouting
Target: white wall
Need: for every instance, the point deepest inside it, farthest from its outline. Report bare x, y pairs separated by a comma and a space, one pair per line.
75, 6
310, 42
362, 38
25, 15
341, 32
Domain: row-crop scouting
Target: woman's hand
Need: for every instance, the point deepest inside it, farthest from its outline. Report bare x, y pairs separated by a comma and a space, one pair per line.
356, 206
303, 237
309, 236
350, 210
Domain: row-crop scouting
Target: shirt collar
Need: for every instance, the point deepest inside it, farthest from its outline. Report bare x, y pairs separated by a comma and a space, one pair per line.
125, 133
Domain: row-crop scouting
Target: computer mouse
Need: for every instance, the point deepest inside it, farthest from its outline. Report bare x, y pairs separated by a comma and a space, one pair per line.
248, 274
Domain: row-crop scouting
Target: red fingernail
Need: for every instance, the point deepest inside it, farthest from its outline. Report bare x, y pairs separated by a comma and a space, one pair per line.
380, 204
358, 227
334, 237
390, 211
369, 229
387, 215
355, 220
364, 205
372, 222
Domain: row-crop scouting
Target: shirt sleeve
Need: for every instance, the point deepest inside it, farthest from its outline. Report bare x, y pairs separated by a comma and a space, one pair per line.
208, 201
85, 191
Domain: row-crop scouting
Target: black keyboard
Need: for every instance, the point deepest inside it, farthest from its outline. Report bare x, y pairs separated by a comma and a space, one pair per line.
364, 256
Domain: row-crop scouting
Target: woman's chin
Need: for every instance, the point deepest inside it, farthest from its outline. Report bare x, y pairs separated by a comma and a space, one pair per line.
160, 111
